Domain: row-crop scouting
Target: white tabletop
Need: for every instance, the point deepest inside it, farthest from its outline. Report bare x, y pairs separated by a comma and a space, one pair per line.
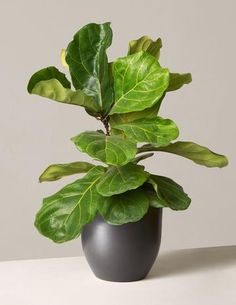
187, 277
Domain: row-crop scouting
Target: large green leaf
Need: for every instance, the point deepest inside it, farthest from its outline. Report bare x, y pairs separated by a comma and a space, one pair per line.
117, 119
169, 194
120, 118
123, 208
57, 171
47, 74
178, 80
147, 113
195, 152
139, 82
158, 131
145, 43
53, 90
52, 84
64, 214
154, 200
109, 149
88, 64
119, 179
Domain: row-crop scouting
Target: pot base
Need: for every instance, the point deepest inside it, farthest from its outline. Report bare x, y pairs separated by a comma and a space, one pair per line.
123, 253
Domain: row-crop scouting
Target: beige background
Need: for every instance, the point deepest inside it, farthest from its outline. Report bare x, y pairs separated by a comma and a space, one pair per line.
198, 36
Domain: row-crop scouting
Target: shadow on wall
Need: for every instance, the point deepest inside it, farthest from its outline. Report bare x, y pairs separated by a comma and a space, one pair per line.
193, 260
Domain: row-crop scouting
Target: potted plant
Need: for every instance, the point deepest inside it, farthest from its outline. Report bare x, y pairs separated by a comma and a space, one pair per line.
117, 205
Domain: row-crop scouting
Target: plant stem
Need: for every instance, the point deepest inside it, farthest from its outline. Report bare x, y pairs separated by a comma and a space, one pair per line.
143, 157
105, 122
146, 148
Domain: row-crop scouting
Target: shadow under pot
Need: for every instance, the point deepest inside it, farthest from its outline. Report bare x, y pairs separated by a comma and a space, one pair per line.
123, 253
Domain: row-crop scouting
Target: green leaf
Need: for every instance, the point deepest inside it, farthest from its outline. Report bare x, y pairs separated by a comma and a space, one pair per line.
123, 208
109, 149
169, 194
139, 82
158, 131
145, 43
178, 80
57, 171
195, 152
64, 214
119, 179
47, 74
121, 118
53, 90
154, 201
117, 119
63, 59
88, 64
52, 84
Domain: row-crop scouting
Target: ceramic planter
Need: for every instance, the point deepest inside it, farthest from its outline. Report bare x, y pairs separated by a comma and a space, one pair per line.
123, 253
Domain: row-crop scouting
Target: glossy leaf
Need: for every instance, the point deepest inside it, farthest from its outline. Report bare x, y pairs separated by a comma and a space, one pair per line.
53, 90
158, 131
169, 194
139, 82
195, 152
147, 113
178, 80
119, 179
57, 171
48, 74
117, 119
150, 192
145, 43
52, 84
112, 150
64, 214
123, 208
121, 118
88, 64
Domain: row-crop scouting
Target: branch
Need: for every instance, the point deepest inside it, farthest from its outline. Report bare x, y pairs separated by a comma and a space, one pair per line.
146, 148
105, 122
143, 157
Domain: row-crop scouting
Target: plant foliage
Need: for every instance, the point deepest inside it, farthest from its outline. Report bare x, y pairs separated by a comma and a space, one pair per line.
125, 95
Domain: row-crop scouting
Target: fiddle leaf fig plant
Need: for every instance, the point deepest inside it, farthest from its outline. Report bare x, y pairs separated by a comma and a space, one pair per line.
125, 96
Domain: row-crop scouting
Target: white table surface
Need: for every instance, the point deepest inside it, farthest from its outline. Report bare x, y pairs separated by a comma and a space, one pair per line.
188, 277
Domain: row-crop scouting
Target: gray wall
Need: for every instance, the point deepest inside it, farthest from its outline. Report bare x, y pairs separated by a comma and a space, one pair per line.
198, 36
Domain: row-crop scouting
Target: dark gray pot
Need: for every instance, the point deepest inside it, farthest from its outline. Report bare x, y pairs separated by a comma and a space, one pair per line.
123, 253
